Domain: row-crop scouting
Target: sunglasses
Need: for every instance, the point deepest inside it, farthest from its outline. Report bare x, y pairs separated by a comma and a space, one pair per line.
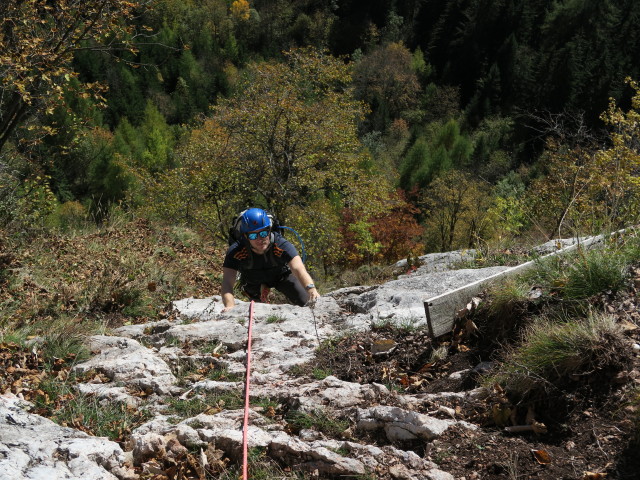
256, 235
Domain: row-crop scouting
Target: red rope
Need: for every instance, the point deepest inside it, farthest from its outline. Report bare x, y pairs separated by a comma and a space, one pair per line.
245, 449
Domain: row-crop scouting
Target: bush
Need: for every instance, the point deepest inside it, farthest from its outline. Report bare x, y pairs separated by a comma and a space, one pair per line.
35, 202
68, 216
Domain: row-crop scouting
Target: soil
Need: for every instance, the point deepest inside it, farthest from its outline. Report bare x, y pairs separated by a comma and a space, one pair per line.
589, 424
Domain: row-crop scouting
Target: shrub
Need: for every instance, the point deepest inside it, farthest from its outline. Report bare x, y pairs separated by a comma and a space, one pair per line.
68, 216
35, 203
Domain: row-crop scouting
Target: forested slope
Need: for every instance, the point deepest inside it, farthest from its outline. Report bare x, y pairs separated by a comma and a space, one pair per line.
467, 121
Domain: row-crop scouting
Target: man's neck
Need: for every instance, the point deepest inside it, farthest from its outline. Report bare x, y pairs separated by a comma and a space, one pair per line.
266, 250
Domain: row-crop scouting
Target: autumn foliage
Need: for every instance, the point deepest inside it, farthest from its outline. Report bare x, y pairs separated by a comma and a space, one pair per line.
384, 238
39, 39
588, 189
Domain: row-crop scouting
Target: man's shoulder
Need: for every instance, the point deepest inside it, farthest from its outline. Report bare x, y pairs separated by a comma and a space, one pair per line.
238, 251
282, 245
280, 241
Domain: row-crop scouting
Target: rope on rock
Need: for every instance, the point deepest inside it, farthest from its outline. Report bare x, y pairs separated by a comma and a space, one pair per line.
245, 426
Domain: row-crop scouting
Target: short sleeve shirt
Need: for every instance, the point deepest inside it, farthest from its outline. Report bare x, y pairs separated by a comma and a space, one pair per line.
261, 268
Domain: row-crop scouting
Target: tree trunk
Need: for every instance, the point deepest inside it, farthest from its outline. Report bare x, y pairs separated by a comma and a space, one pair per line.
11, 119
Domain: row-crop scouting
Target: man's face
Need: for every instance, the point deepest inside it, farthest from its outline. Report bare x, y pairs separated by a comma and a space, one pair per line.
259, 240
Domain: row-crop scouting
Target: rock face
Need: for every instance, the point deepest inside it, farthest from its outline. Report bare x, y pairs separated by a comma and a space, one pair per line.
141, 358
124, 360
36, 448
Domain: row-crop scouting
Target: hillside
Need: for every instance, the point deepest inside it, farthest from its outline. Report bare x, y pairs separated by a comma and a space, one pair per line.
464, 123
413, 146
352, 387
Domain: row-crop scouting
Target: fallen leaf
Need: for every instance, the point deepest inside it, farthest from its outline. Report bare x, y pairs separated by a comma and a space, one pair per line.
627, 326
470, 328
426, 367
593, 476
541, 456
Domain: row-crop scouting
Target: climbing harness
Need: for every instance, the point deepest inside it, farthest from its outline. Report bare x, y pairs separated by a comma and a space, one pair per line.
245, 426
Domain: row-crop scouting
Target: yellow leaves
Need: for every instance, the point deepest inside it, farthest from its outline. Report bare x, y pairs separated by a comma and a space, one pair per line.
36, 57
240, 10
618, 165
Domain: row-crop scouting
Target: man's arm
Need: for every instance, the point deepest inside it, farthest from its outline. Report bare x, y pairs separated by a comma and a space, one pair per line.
300, 272
229, 276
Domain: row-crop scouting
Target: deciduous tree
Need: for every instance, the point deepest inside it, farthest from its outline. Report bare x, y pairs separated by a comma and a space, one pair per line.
459, 211
619, 165
38, 39
286, 141
560, 198
387, 81
293, 128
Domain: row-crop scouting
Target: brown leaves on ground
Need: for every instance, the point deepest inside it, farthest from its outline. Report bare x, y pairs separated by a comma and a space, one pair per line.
404, 358
119, 274
174, 462
21, 369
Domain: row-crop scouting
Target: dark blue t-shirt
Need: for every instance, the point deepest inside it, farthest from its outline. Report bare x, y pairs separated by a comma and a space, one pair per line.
266, 268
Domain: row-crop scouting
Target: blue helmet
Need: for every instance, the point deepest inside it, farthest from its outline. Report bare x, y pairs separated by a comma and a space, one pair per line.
254, 219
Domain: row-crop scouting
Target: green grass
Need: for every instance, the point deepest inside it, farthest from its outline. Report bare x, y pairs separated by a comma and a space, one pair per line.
60, 343
584, 273
508, 295
262, 467
275, 319
317, 420
552, 351
265, 402
186, 408
405, 325
62, 404
596, 272
172, 341
223, 375
321, 373
381, 324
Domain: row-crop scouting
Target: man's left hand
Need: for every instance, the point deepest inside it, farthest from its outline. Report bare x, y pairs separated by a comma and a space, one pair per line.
313, 296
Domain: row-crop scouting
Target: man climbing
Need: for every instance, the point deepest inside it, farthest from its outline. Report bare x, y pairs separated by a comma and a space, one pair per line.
265, 260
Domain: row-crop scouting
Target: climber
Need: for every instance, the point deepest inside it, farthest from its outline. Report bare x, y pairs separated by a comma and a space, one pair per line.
265, 260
